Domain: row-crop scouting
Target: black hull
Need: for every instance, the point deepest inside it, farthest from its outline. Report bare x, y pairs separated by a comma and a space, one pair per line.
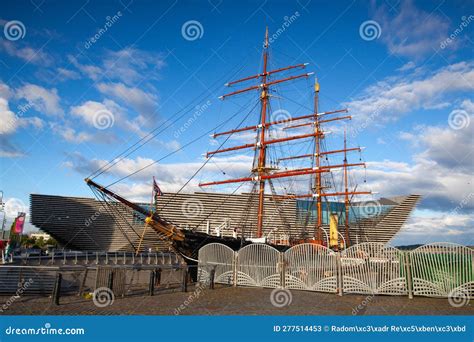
194, 241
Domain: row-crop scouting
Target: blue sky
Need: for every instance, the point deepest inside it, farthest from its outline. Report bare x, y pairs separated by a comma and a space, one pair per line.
82, 81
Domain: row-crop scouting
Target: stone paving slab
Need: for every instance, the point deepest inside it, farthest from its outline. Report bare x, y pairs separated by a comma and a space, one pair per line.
237, 301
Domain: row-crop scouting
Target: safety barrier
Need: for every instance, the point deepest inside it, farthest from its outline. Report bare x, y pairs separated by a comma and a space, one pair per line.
443, 270
258, 265
311, 267
435, 270
60, 258
220, 258
373, 268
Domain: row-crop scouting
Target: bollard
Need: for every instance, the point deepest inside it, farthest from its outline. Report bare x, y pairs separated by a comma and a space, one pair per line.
158, 277
110, 280
57, 289
151, 285
212, 275
184, 283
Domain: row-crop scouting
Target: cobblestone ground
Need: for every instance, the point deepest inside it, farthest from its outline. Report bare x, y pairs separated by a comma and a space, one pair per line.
237, 301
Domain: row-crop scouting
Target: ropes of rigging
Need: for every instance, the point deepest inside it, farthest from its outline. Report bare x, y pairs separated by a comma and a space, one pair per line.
176, 151
207, 160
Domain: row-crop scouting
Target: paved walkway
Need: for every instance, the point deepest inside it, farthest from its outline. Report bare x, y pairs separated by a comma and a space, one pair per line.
238, 301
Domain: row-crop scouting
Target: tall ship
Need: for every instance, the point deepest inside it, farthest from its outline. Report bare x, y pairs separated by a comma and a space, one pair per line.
291, 197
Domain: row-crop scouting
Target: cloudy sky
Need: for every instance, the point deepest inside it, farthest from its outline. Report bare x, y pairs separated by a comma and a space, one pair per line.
81, 82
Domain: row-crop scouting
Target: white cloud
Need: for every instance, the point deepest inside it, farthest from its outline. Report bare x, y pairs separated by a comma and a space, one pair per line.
70, 135
170, 176
407, 66
450, 148
26, 53
90, 110
388, 100
73, 136
43, 100
33, 121
5, 91
7, 117
426, 226
144, 103
10, 122
66, 74
412, 32
129, 65
441, 170
132, 65
91, 71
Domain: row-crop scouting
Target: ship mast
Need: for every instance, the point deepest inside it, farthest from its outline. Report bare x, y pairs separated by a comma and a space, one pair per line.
261, 173
317, 156
346, 190
318, 190
262, 148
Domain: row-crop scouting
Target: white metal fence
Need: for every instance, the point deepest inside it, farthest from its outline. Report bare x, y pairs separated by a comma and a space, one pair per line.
443, 270
435, 270
311, 267
373, 268
221, 258
258, 265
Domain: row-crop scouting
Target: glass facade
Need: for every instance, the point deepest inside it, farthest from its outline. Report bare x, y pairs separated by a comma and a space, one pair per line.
306, 211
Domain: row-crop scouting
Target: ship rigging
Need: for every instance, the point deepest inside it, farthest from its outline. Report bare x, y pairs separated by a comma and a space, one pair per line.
186, 241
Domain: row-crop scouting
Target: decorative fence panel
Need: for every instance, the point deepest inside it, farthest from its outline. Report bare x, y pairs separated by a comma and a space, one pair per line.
373, 268
257, 265
443, 270
436, 270
311, 267
219, 257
